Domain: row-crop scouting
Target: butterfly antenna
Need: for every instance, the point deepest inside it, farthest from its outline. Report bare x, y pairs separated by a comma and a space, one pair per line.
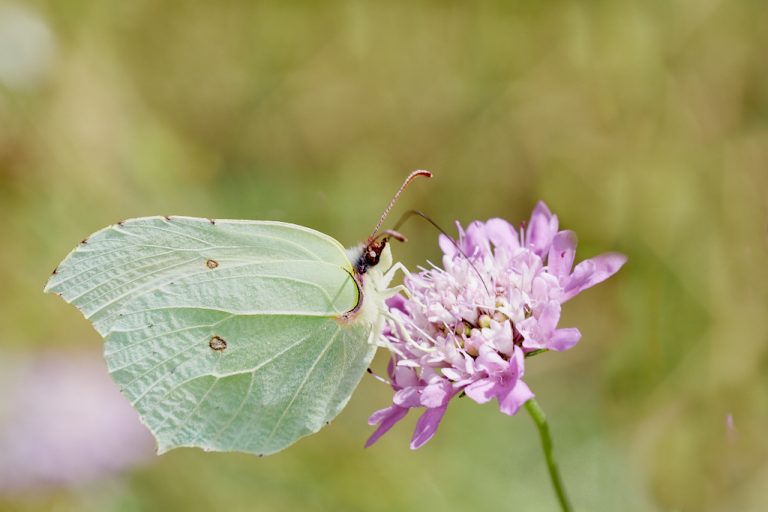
405, 184
391, 233
410, 213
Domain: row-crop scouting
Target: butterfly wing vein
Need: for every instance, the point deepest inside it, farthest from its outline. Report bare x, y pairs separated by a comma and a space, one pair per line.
224, 335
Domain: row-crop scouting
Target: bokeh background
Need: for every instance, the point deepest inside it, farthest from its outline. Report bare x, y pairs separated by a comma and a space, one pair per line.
643, 124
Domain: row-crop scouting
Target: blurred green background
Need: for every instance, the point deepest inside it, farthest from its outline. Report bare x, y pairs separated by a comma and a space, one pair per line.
643, 125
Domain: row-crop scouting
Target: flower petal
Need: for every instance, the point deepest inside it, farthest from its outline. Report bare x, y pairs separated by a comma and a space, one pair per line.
515, 398
396, 302
380, 415
482, 391
502, 234
490, 360
548, 319
407, 397
475, 243
449, 245
402, 375
427, 426
517, 364
452, 374
561, 254
446, 245
541, 229
386, 419
436, 394
592, 271
563, 339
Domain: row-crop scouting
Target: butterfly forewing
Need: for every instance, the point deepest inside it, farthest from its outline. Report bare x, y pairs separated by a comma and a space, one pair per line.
223, 334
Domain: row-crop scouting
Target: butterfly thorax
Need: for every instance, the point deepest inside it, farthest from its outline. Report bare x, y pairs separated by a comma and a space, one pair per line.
370, 261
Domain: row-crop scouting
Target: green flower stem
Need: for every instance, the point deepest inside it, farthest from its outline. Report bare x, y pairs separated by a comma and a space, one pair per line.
546, 443
536, 352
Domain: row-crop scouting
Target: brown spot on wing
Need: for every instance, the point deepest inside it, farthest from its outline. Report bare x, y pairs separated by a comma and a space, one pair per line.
211, 264
217, 343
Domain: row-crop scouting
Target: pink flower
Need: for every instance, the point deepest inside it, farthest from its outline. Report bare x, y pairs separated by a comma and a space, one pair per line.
466, 329
64, 423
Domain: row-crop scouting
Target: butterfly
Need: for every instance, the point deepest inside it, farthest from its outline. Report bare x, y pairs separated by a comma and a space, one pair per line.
231, 335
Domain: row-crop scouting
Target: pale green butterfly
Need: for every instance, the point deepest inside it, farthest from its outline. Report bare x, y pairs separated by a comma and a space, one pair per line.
231, 335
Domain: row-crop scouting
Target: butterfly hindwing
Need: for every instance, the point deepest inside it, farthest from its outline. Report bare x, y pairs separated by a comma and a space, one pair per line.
222, 334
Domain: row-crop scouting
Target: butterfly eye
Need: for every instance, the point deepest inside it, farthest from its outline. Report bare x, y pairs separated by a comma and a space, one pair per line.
373, 252
372, 257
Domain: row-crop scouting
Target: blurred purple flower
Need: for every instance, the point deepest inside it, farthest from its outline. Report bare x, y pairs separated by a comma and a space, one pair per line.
64, 423
466, 329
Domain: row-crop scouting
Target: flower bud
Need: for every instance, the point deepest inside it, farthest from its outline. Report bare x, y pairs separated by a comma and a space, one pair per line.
463, 329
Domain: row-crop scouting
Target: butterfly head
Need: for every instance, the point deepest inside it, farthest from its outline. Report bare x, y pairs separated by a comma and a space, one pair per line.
376, 251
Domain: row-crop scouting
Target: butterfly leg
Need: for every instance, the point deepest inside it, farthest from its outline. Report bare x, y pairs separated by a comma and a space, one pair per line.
400, 325
391, 292
390, 274
376, 337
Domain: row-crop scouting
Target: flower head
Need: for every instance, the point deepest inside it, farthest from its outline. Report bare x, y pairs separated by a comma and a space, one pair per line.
465, 329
